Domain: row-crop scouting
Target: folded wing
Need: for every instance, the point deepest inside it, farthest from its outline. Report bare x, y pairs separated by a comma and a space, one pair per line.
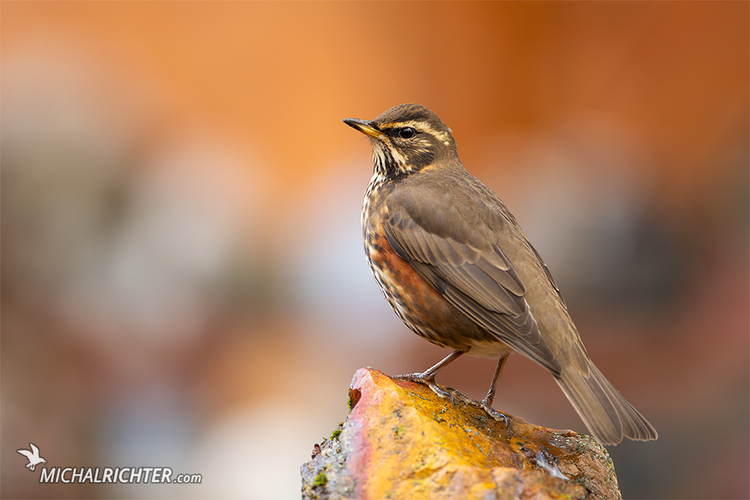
481, 283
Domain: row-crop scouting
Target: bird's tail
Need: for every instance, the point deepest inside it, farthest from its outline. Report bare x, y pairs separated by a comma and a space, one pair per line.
607, 415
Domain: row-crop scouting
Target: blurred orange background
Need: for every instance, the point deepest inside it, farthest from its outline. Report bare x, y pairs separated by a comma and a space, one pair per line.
183, 282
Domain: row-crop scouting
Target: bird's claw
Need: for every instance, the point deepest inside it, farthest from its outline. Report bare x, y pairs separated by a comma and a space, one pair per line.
440, 391
493, 412
489, 410
429, 382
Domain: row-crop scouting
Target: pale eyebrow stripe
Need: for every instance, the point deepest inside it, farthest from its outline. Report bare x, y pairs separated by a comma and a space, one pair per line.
425, 127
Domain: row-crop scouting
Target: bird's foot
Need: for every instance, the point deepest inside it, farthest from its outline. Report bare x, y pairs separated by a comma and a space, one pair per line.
420, 378
489, 410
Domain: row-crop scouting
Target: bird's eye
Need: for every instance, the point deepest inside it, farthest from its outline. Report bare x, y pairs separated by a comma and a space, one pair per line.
407, 132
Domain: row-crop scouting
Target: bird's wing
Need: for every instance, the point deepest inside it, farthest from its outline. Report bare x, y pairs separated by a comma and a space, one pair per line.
26, 453
34, 448
481, 283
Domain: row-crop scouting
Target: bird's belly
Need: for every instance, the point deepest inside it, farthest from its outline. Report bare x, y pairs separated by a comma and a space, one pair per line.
421, 307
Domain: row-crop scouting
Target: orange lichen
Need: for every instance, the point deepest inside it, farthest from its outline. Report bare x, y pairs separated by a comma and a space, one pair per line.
407, 442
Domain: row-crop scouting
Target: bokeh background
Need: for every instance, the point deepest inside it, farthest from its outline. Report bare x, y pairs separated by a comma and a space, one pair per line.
183, 282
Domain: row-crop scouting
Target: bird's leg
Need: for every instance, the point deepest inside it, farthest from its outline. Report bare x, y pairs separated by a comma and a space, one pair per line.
428, 377
486, 403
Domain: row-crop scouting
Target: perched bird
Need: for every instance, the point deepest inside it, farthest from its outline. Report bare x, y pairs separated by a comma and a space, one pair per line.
458, 270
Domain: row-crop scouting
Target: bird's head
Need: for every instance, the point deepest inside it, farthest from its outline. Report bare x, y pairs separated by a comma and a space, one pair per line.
406, 139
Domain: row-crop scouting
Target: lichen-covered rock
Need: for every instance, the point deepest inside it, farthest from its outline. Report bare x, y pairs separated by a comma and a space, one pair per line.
401, 441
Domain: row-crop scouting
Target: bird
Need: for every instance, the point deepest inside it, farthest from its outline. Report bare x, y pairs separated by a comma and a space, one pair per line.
458, 270
33, 456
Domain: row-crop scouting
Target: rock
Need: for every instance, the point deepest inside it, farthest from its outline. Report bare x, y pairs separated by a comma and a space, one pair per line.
401, 441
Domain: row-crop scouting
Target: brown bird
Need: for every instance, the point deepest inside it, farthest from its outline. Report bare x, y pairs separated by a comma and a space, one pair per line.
457, 268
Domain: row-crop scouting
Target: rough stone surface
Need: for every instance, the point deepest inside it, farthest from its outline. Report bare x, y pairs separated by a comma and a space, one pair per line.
401, 440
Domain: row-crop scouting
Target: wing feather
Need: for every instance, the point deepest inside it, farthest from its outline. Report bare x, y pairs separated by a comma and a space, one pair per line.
482, 284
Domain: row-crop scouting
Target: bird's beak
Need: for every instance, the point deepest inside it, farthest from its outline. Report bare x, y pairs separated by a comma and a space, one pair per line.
365, 127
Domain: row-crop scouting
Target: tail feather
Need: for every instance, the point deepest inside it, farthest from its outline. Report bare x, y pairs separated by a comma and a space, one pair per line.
607, 415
